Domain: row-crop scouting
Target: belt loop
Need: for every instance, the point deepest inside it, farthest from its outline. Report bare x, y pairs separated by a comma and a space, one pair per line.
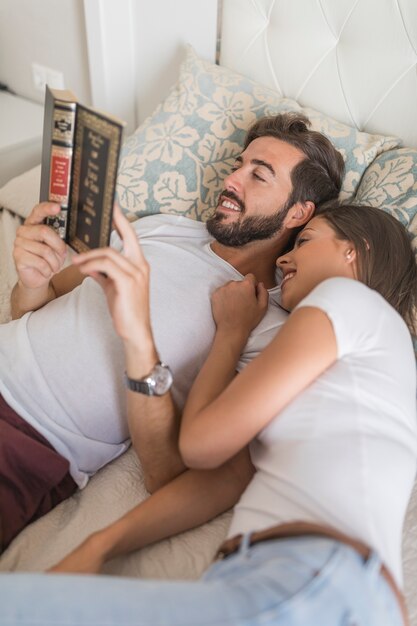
245, 545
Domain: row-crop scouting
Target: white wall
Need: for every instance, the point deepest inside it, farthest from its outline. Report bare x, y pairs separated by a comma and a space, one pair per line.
48, 32
135, 48
121, 56
162, 27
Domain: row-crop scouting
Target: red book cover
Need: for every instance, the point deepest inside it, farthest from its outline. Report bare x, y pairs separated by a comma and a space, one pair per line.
59, 184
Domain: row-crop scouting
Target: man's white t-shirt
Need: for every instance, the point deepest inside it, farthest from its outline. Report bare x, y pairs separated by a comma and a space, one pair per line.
343, 453
62, 367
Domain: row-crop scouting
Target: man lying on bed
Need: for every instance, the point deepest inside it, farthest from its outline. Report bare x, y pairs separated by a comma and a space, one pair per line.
64, 408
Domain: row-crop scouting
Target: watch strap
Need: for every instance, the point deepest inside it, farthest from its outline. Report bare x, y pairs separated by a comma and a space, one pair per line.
149, 385
141, 385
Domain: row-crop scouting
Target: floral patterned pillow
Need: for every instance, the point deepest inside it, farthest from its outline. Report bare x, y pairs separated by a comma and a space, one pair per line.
177, 159
390, 183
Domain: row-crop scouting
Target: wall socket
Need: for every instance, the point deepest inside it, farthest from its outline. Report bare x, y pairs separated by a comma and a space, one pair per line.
46, 76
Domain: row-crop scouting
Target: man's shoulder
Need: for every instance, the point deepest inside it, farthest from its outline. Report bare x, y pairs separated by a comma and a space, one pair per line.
164, 226
176, 224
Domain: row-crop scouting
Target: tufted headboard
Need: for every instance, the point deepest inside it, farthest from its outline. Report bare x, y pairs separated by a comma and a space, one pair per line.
355, 60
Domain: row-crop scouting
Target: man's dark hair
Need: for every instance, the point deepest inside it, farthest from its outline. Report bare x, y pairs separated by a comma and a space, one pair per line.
318, 177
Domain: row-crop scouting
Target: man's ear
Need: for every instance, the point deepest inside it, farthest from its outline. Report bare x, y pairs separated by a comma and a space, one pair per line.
299, 214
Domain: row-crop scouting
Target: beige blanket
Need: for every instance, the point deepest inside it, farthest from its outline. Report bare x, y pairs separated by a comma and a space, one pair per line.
119, 486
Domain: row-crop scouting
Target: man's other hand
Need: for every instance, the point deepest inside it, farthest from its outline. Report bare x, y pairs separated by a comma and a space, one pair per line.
38, 251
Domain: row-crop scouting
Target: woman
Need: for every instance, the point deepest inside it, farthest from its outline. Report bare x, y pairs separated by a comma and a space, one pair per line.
329, 412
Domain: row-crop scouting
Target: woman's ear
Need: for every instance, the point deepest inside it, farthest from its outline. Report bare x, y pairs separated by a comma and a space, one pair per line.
349, 253
299, 214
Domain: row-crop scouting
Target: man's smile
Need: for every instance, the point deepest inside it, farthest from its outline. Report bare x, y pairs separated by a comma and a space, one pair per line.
229, 203
226, 204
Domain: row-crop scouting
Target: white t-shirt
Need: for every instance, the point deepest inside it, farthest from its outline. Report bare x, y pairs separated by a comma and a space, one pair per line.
61, 367
343, 453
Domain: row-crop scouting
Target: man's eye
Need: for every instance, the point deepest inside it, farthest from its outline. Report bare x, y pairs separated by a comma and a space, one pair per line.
255, 175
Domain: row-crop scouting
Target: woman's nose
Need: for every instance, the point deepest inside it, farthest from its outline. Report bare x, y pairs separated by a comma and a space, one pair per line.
282, 260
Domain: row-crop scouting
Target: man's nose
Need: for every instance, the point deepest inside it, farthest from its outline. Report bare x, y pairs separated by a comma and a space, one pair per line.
233, 182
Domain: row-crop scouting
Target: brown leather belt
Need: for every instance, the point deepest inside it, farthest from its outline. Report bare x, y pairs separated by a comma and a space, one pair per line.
298, 529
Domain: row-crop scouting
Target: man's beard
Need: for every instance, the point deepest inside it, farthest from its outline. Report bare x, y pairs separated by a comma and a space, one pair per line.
247, 229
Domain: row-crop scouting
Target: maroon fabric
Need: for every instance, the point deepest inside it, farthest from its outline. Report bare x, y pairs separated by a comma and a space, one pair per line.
34, 478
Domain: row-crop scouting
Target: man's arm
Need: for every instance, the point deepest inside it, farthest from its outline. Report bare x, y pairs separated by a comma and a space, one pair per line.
153, 423
190, 500
154, 428
39, 255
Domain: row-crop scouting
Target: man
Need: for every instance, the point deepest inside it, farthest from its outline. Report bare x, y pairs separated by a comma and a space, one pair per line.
64, 410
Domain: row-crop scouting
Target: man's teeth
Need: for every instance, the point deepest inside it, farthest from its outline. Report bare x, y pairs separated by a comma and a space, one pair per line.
230, 205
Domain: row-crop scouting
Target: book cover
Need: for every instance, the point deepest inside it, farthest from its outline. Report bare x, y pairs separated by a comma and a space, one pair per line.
79, 169
97, 144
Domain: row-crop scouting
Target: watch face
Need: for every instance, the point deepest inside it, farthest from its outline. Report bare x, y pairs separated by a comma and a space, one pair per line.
161, 379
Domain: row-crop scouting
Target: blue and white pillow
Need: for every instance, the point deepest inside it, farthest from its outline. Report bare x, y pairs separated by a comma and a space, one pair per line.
177, 159
390, 183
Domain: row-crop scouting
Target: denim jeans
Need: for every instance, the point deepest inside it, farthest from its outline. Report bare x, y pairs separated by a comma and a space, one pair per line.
302, 581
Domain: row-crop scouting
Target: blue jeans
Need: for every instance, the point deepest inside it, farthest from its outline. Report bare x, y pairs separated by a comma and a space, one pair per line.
303, 581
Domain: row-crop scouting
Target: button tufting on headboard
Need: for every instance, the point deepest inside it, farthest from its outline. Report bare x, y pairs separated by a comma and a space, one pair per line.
355, 60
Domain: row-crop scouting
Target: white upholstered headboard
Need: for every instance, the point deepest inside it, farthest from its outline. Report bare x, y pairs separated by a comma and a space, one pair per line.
355, 60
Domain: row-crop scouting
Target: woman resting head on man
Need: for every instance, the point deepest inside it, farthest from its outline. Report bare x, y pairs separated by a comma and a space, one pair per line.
328, 412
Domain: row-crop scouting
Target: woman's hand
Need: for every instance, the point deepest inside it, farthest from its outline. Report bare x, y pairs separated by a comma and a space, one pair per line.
124, 278
239, 306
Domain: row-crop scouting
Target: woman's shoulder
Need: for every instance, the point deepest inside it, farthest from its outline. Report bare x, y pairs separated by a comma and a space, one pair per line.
346, 294
360, 315
340, 284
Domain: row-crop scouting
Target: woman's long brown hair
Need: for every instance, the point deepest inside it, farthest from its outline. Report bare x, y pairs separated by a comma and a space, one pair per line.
385, 259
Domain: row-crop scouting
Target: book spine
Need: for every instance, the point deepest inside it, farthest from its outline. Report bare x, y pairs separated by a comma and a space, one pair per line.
60, 163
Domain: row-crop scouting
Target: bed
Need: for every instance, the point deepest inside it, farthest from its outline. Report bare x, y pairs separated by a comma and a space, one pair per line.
351, 67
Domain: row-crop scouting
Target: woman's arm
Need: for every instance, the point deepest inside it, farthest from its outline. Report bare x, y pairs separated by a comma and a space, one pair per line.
216, 425
191, 499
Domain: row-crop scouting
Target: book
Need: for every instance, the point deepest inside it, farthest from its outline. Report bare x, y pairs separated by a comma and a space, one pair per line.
57, 151
80, 156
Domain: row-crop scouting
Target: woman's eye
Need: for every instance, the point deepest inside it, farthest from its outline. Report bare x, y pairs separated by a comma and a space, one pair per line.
301, 240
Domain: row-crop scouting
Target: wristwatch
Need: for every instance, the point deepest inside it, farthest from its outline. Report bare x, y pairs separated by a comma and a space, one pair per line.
156, 383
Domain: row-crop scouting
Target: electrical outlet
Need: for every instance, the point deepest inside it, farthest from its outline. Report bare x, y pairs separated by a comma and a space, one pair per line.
43, 75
